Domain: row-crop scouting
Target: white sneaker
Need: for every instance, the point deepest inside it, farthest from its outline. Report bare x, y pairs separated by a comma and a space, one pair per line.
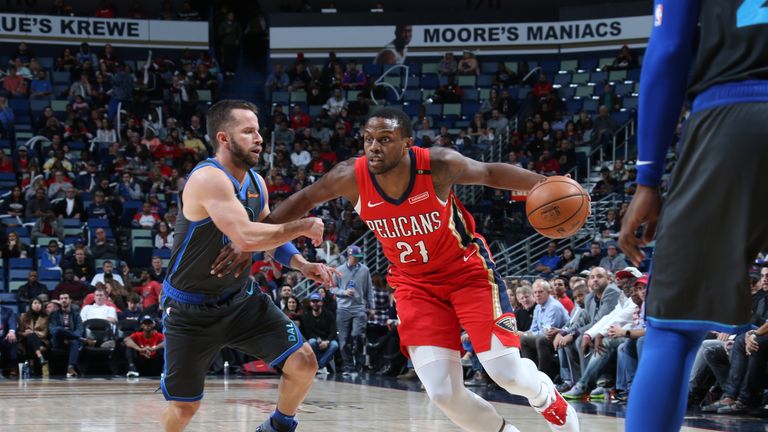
559, 414
132, 373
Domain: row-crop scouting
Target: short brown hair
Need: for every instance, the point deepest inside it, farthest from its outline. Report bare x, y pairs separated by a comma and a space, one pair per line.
220, 115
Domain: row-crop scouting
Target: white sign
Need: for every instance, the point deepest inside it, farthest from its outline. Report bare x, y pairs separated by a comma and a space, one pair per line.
488, 38
99, 31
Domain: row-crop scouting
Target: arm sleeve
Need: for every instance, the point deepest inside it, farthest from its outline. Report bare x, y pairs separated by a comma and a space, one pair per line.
663, 83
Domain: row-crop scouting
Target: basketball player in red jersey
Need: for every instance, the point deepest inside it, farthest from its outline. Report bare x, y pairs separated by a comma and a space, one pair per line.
442, 271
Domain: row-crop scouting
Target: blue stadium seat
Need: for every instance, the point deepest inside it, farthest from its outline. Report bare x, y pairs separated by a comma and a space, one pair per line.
573, 106
60, 77
549, 66
372, 69
471, 94
19, 106
412, 96
412, 109
598, 77
489, 67
621, 117
629, 102
485, 81
567, 92
49, 274
280, 97
429, 81
18, 274
20, 263
469, 108
414, 82
588, 64
71, 223
562, 79
623, 89
434, 109
314, 110
591, 105
162, 253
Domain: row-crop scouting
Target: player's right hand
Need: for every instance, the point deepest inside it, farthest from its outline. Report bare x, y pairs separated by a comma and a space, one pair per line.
315, 230
643, 210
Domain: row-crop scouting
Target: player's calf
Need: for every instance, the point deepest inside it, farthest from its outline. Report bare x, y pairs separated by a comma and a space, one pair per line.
177, 415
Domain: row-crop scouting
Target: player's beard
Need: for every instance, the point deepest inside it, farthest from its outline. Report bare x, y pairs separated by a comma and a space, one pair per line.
241, 157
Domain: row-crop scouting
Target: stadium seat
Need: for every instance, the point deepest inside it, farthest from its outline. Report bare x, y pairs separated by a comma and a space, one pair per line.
471, 95
485, 80
452, 109
617, 75
20, 263
569, 65
562, 79
467, 81
204, 95
298, 96
60, 77
604, 62
629, 102
18, 274
434, 110
488, 67
429, 68
590, 105
280, 97
584, 91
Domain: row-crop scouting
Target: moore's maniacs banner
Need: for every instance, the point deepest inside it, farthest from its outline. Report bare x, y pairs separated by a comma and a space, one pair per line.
436, 39
99, 31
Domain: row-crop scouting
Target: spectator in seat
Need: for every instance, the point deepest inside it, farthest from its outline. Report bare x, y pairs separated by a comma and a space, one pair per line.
504, 76
569, 263
57, 186
48, 225
8, 339
66, 329
230, 32
145, 218
549, 261
14, 247
6, 164
560, 287
164, 236
319, 329
592, 258
38, 205
52, 258
299, 77
99, 208
548, 316
624, 60
354, 79
15, 204
71, 206
286, 292
293, 310
143, 350
156, 271
133, 311
31, 290
99, 309
567, 334
468, 64
543, 87
318, 166
497, 121
335, 103
129, 190
107, 271
447, 65
33, 333
547, 165
277, 80
300, 157
71, 286
613, 261
300, 119
40, 87
82, 266
103, 247
14, 85
89, 180
149, 290
525, 307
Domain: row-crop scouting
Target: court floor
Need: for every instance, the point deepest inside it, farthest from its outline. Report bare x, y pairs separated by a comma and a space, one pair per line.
334, 404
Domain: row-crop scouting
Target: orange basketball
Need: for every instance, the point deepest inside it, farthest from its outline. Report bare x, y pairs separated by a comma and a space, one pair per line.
557, 207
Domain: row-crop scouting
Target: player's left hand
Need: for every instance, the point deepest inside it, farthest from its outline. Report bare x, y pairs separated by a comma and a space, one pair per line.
599, 347
230, 260
643, 210
319, 273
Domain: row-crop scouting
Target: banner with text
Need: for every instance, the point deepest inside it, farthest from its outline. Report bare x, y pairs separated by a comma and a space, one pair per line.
65, 30
498, 38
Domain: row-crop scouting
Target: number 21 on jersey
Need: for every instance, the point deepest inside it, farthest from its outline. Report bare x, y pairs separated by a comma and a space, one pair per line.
406, 252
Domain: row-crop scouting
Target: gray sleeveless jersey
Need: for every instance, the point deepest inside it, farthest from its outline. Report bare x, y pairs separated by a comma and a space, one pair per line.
197, 244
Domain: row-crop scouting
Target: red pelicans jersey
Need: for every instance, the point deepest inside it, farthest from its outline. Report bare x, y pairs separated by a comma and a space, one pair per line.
442, 271
420, 234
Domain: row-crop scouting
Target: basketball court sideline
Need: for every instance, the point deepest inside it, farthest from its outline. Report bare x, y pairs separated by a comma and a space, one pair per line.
356, 403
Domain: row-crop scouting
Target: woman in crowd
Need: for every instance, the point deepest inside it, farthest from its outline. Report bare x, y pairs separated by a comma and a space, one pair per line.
33, 333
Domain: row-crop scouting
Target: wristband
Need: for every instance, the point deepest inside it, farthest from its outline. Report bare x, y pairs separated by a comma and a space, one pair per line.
284, 253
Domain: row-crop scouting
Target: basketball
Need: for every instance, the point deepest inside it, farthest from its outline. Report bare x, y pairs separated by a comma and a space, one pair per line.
557, 207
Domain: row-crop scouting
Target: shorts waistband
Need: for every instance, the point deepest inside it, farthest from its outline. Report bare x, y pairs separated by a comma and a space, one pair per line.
198, 298
731, 93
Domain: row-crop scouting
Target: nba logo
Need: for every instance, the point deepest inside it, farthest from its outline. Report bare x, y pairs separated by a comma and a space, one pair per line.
658, 15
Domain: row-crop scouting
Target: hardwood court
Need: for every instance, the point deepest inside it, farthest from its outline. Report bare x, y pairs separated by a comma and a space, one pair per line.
348, 404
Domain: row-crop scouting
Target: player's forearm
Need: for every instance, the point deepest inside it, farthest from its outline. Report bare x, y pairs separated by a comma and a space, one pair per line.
264, 236
510, 177
296, 206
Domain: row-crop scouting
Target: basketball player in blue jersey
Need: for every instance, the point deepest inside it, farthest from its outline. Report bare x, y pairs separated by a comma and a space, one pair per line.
712, 224
222, 203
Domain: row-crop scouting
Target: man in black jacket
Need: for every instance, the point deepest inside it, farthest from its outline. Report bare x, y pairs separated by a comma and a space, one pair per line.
319, 328
66, 329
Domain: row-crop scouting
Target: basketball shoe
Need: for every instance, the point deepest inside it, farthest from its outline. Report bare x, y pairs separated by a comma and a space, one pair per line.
559, 414
267, 426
